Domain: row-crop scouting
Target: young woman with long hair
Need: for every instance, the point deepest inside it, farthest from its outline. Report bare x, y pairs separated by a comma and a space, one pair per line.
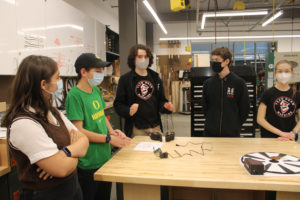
44, 143
279, 106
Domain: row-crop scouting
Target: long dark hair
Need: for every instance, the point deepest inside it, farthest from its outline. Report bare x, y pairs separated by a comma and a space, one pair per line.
133, 52
26, 90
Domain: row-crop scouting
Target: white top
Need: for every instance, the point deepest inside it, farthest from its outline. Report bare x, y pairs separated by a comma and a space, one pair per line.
31, 138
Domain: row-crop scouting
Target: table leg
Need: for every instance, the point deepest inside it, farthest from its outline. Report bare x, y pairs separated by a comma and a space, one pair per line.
138, 192
287, 195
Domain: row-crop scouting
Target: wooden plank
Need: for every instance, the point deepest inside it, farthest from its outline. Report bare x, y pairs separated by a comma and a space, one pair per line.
201, 60
176, 95
287, 195
179, 193
138, 192
219, 168
164, 45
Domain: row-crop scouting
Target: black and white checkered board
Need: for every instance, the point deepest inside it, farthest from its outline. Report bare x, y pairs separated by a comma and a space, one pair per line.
276, 163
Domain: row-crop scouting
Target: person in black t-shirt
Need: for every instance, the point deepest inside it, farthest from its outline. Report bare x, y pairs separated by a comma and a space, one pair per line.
279, 105
140, 95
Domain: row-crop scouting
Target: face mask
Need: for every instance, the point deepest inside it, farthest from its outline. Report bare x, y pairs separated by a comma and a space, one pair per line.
58, 91
97, 79
216, 66
283, 77
142, 64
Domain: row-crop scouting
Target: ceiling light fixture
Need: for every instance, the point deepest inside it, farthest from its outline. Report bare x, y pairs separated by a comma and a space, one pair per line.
155, 16
231, 37
231, 14
272, 18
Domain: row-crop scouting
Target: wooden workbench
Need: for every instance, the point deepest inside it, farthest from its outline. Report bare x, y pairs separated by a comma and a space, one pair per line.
142, 173
4, 158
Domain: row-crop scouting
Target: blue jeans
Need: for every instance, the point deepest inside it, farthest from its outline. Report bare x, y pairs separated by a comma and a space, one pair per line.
68, 190
93, 190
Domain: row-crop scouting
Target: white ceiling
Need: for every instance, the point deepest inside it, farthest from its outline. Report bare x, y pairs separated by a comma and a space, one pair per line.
162, 8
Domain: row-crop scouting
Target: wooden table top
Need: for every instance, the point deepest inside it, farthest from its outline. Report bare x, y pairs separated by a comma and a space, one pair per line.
218, 168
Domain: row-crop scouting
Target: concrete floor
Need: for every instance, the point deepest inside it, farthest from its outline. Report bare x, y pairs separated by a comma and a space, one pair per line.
182, 128
182, 124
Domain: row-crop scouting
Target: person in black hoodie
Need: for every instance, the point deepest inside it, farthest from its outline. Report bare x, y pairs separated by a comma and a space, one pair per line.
225, 98
140, 95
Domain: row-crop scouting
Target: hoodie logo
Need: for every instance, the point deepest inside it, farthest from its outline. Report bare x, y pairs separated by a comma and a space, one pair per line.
230, 92
144, 89
284, 107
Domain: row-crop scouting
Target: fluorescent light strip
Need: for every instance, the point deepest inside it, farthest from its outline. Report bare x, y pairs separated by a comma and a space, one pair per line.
232, 14
13, 2
155, 16
231, 37
272, 18
203, 21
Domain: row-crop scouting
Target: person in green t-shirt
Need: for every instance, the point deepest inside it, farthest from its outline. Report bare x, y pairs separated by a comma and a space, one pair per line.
85, 108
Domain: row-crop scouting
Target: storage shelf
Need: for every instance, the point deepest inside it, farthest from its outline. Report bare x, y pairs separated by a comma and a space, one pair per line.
4, 170
112, 53
4, 158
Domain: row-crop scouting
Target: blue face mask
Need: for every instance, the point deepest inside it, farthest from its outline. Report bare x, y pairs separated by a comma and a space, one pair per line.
58, 91
97, 79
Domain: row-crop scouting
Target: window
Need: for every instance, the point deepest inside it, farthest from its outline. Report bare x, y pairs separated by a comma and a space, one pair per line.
251, 53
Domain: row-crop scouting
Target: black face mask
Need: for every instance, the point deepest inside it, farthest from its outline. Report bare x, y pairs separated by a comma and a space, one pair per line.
216, 66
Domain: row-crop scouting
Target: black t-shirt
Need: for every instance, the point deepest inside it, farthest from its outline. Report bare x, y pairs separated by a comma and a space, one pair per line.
281, 110
145, 96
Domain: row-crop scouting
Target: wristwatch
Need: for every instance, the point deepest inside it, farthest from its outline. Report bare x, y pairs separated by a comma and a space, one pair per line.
108, 138
67, 151
296, 134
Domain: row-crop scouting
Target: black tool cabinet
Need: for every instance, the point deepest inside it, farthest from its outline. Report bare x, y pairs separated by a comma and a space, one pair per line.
198, 75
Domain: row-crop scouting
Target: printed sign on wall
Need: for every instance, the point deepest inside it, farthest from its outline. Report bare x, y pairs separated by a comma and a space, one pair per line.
294, 58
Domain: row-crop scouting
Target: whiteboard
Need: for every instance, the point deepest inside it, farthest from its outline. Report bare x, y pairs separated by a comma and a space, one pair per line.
52, 28
8, 38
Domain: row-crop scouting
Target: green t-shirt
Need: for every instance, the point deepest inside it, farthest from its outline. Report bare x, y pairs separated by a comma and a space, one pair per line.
89, 107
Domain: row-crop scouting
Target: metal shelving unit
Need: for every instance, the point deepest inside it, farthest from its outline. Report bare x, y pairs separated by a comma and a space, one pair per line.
197, 76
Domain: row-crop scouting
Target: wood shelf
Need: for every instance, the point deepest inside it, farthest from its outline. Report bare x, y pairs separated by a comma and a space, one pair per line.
4, 158
115, 54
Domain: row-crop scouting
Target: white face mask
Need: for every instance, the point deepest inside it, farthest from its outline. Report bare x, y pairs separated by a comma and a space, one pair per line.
283, 77
142, 64
58, 91
97, 79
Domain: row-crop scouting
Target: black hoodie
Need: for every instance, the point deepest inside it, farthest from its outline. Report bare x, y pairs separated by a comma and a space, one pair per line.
126, 97
225, 104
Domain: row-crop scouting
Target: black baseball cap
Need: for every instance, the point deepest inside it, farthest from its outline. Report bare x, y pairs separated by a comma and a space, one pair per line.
89, 60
